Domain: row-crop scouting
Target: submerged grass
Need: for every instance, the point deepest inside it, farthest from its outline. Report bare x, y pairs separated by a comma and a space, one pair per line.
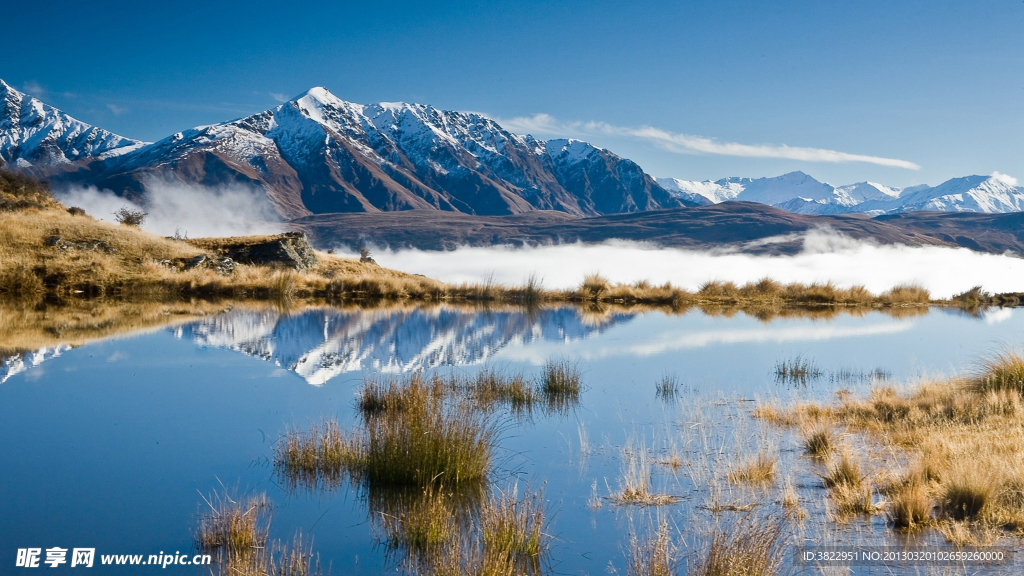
440, 532
635, 485
798, 371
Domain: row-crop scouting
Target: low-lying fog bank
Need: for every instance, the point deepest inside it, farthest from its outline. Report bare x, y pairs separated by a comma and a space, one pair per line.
825, 257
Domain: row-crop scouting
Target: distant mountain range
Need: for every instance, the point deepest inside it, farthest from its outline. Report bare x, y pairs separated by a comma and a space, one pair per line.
800, 193
319, 154
411, 175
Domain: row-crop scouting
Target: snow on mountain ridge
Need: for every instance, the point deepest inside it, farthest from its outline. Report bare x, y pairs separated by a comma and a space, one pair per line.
34, 133
798, 192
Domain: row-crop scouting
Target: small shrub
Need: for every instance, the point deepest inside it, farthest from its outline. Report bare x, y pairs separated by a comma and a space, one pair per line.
130, 217
76, 211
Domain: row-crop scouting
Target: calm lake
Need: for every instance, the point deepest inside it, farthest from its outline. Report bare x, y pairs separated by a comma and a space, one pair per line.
114, 444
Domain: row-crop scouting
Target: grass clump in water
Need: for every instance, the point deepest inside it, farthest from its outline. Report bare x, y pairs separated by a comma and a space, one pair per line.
752, 546
561, 384
799, 371
413, 434
909, 505
428, 441
758, 470
667, 387
819, 442
233, 525
654, 555
316, 458
512, 527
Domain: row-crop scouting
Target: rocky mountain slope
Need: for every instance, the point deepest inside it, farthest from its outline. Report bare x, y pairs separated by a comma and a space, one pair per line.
320, 154
33, 133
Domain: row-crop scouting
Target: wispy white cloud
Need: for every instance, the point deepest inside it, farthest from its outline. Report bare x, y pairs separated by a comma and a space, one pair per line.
690, 144
34, 88
117, 110
1006, 178
278, 96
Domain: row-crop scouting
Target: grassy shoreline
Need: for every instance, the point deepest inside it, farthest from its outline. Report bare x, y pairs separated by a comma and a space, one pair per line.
52, 254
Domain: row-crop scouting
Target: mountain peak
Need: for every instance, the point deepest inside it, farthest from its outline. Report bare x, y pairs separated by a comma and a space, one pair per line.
35, 133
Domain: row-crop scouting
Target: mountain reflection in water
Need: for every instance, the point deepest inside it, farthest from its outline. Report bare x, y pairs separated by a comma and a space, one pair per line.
319, 344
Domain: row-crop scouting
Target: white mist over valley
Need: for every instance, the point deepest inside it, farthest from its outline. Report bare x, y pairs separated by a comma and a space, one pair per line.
826, 257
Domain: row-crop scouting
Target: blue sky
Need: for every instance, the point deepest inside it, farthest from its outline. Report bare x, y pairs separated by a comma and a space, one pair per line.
694, 90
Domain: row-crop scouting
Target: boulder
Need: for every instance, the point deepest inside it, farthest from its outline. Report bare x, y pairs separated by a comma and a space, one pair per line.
290, 249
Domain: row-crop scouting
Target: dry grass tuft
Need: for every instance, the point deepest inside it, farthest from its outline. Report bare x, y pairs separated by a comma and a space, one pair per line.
635, 485
909, 505
654, 555
819, 441
752, 546
232, 525
561, 384
759, 470
1003, 371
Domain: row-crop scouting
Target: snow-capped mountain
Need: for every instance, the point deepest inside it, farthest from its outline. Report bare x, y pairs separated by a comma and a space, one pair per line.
798, 192
992, 194
320, 344
34, 133
320, 154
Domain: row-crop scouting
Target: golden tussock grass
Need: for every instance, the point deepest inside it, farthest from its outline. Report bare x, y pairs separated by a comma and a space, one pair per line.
758, 470
964, 438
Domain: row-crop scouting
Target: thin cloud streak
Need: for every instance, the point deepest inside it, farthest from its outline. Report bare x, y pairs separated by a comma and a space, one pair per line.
675, 340
689, 144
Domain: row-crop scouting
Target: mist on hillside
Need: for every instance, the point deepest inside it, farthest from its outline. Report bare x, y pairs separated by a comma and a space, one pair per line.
185, 210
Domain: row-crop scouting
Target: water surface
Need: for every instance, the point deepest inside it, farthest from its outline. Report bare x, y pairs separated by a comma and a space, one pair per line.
112, 444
